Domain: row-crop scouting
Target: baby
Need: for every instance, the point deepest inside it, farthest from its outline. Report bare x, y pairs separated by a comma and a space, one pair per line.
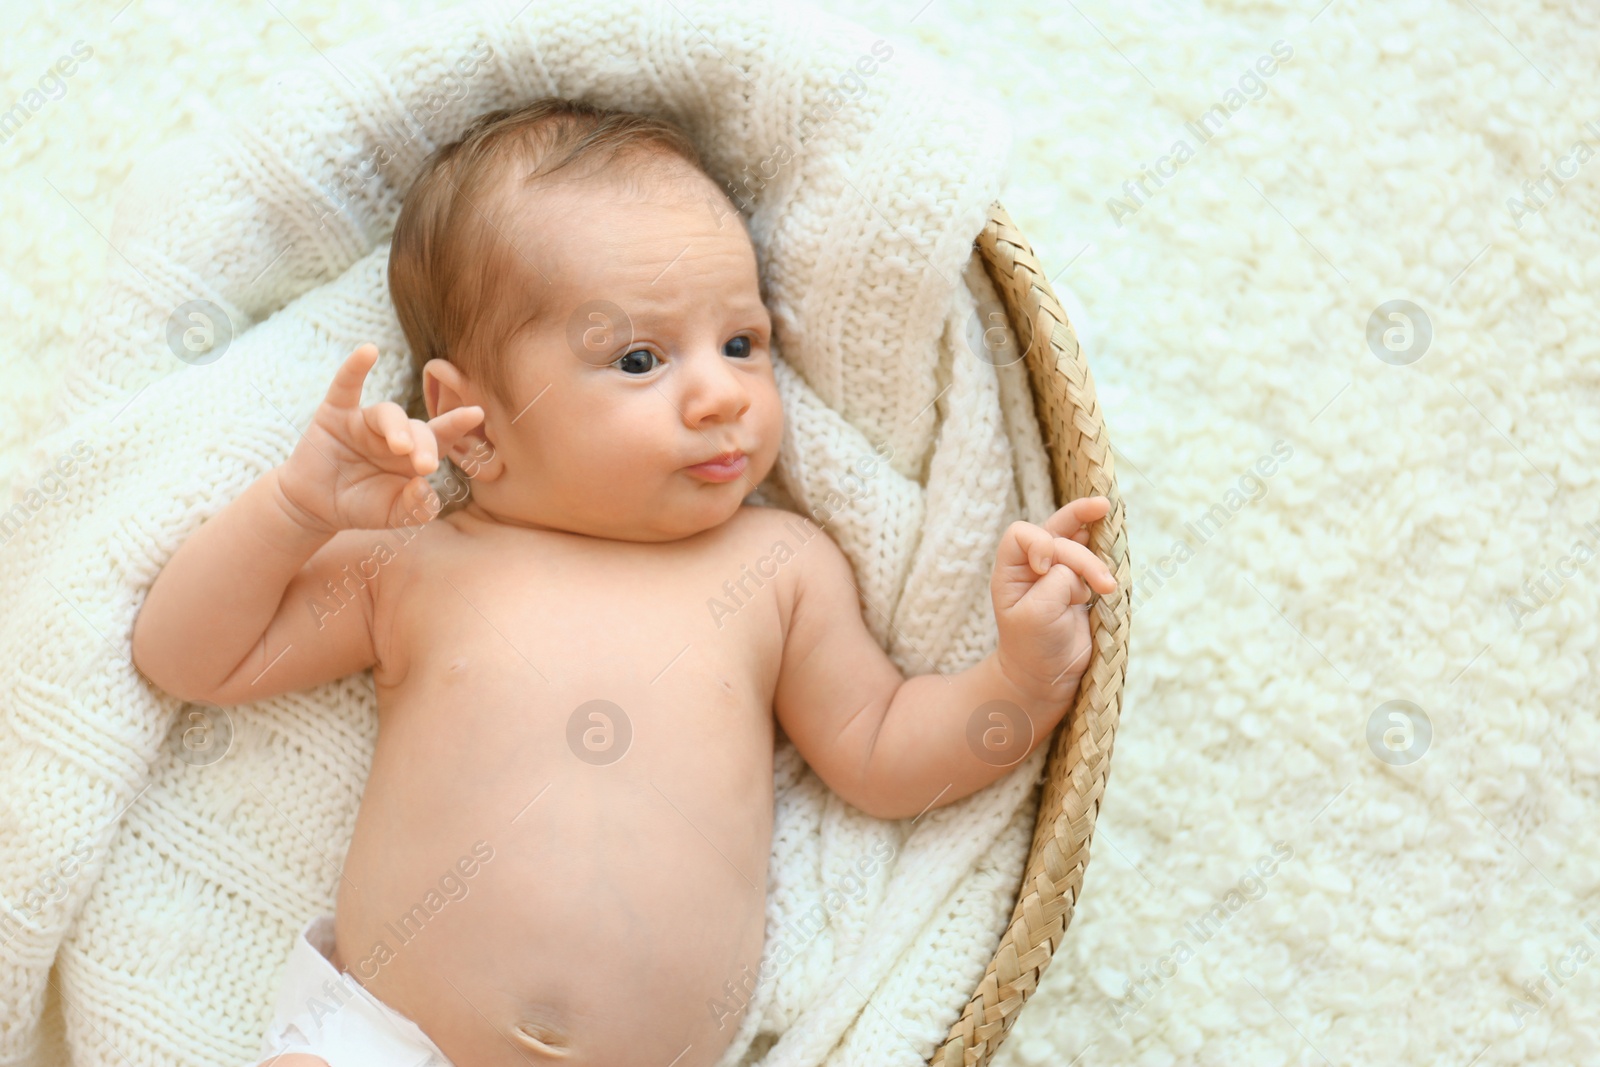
566, 734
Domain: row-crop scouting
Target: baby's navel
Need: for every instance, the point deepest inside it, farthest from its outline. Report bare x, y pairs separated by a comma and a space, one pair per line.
458, 664
541, 1039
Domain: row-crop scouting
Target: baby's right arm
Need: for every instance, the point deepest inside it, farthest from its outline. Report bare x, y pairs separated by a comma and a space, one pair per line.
227, 620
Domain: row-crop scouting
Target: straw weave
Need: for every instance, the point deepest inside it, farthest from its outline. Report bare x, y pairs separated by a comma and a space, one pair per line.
1081, 464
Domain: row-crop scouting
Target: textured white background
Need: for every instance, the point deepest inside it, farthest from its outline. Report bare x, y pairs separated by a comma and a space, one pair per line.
1227, 314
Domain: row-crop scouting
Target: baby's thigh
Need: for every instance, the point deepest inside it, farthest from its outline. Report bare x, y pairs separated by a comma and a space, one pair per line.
294, 1059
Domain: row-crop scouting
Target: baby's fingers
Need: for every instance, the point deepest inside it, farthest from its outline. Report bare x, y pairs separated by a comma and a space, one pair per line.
388, 420
404, 436
345, 390
449, 427
1062, 583
1029, 551
416, 499
1024, 552
1075, 515
1082, 561
424, 450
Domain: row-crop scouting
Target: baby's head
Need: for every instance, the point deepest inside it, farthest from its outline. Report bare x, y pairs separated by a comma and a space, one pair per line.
576, 273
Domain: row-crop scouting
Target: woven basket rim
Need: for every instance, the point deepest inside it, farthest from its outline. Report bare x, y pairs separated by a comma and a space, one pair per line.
1081, 464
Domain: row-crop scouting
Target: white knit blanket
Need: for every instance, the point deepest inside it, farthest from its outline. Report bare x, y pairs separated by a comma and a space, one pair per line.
148, 899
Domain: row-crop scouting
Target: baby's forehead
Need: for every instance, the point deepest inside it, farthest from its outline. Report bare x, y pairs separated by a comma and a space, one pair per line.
602, 226
558, 257
633, 176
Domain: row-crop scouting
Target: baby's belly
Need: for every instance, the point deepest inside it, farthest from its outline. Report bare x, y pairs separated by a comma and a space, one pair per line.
595, 881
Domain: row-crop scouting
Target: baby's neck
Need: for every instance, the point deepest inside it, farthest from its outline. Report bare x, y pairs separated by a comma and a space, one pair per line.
478, 513
473, 513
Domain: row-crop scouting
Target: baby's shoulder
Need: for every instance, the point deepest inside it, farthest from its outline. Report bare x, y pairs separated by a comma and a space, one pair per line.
776, 530
783, 542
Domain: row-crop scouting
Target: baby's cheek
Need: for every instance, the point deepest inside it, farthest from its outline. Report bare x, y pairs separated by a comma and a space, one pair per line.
775, 415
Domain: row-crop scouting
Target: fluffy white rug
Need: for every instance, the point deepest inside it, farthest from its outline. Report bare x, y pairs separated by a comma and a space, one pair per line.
1430, 912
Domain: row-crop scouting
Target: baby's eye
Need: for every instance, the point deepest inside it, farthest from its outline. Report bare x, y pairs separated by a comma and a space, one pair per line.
628, 364
738, 348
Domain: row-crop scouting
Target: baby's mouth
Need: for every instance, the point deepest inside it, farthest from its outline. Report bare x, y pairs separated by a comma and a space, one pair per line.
721, 468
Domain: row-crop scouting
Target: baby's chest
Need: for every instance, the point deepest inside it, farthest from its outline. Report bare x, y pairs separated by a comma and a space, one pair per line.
666, 630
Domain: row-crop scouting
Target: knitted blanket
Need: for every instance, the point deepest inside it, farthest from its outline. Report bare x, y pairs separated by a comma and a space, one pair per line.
157, 859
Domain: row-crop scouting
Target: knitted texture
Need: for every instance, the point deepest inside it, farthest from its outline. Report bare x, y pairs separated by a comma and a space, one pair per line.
165, 889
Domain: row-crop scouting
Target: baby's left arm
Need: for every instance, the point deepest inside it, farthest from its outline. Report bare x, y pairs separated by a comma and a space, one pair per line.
895, 747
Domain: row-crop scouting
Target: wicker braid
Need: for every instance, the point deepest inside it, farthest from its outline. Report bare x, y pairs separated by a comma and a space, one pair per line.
1080, 754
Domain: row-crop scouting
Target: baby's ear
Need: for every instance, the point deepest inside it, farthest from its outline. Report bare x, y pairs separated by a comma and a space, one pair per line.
445, 388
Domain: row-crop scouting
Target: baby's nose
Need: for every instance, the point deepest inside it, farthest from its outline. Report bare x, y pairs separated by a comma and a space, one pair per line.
715, 391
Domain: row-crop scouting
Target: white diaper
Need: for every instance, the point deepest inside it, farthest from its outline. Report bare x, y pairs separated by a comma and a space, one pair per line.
331, 1015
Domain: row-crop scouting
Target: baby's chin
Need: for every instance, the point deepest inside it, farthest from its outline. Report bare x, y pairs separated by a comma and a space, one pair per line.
677, 525
693, 513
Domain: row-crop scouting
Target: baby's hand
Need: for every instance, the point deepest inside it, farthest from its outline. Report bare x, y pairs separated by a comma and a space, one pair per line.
1042, 576
361, 467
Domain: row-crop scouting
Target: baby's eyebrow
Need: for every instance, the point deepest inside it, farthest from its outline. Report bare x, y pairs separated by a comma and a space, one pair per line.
753, 307
736, 309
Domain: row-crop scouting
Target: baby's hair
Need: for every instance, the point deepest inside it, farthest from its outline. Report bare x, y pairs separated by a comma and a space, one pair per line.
452, 252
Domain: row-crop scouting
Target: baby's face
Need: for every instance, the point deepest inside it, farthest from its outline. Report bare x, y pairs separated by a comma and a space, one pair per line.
653, 359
